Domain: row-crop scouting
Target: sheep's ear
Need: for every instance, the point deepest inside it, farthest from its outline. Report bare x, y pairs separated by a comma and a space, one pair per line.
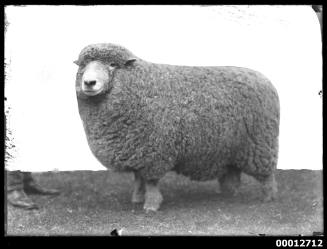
130, 62
76, 62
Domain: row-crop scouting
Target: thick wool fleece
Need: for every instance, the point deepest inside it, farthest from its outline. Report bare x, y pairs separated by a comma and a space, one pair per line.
197, 121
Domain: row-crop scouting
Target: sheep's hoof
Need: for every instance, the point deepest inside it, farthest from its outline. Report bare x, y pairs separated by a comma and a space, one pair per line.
150, 209
138, 198
227, 191
152, 204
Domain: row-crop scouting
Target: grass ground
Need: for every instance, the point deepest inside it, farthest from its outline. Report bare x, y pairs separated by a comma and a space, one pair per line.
97, 202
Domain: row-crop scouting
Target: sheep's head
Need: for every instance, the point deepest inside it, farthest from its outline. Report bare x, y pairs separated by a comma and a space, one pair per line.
97, 64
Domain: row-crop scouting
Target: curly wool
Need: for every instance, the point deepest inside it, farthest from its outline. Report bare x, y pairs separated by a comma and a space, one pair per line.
105, 52
197, 121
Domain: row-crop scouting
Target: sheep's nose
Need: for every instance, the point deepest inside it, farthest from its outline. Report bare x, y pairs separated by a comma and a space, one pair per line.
90, 82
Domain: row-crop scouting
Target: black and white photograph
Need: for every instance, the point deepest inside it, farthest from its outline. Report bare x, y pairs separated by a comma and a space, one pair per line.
163, 120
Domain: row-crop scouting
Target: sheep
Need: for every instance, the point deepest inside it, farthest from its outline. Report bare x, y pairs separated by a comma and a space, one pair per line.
204, 123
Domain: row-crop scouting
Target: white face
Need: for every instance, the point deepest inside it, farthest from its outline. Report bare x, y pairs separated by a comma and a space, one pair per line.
94, 79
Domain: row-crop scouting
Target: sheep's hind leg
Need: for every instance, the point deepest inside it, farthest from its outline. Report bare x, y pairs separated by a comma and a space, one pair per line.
230, 182
269, 187
153, 197
138, 195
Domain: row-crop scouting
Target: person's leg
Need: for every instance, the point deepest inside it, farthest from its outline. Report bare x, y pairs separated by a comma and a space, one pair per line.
32, 187
15, 191
318, 10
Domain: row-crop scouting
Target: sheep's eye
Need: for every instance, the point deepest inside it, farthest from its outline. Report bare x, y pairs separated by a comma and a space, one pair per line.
113, 64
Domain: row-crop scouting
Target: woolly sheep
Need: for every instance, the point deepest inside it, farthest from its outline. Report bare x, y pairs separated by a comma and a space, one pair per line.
202, 122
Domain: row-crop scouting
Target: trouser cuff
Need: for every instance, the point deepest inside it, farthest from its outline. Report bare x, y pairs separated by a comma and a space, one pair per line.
14, 180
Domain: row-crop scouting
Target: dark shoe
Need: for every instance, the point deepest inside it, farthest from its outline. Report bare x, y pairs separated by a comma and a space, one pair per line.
34, 188
19, 199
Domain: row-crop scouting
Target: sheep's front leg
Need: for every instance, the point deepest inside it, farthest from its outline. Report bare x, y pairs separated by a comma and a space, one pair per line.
269, 187
153, 197
138, 195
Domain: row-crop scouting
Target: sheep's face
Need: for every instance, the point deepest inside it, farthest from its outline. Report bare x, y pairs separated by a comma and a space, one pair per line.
93, 78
